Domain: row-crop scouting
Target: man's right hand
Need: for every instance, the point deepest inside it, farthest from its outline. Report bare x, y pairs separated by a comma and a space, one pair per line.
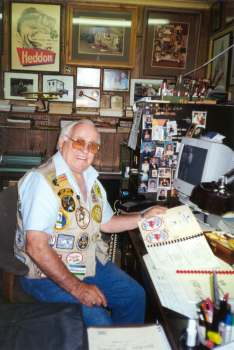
89, 294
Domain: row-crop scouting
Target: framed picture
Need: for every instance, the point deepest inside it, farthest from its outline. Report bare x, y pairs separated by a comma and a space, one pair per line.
101, 35
89, 77
18, 84
117, 102
115, 80
170, 42
228, 12
61, 84
35, 36
87, 98
219, 67
144, 88
216, 16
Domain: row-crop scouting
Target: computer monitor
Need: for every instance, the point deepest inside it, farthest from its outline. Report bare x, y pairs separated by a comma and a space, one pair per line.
200, 160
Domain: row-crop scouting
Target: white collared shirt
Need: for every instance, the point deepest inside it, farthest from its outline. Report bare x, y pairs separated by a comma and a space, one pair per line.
39, 204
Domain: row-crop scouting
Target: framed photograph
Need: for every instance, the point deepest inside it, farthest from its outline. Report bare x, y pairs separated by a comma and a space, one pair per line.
117, 102
101, 35
216, 15
170, 45
219, 67
144, 88
115, 80
105, 101
61, 84
89, 77
35, 36
18, 84
87, 98
228, 12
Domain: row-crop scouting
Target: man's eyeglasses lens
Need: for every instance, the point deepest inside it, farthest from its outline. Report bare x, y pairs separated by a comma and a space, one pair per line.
92, 147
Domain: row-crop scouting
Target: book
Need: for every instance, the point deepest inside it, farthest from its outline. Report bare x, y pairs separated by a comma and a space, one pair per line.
142, 337
175, 240
179, 260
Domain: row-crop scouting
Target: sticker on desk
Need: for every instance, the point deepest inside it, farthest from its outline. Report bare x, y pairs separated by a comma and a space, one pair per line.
152, 224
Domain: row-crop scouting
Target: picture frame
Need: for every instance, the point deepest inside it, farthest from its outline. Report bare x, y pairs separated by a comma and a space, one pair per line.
216, 15
17, 83
117, 102
87, 98
218, 70
59, 84
116, 80
89, 77
165, 30
144, 88
101, 35
32, 47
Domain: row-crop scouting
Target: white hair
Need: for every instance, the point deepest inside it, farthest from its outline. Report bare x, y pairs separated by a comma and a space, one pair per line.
66, 130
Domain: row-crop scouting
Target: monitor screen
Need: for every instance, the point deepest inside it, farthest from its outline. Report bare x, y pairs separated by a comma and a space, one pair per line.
192, 164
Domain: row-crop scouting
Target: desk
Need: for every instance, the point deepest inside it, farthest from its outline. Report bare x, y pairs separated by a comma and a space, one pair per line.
174, 324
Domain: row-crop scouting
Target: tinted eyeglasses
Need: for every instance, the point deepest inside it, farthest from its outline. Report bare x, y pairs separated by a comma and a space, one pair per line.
80, 144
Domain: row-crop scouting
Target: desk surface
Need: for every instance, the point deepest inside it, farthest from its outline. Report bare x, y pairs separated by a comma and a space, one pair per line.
174, 324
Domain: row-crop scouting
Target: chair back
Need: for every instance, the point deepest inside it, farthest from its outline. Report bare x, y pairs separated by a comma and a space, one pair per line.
8, 207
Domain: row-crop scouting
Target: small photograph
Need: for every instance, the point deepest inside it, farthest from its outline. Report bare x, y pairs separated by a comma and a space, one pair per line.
199, 118
159, 151
154, 173
147, 121
117, 102
60, 85
191, 130
143, 187
116, 80
146, 135
164, 172
169, 148
147, 149
154, 163
20, 86
164, 182
158, 129
162, 195
165, 161
144, 176
152, 185
171, 128
195, 131
145, 166
88, 77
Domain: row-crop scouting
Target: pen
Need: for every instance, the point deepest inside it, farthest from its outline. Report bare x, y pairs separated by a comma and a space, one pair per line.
215, 290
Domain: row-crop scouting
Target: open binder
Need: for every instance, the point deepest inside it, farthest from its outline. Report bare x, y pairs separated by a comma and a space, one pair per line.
175, 243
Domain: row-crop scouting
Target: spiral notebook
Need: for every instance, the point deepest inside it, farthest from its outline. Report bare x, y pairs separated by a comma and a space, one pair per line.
176, 241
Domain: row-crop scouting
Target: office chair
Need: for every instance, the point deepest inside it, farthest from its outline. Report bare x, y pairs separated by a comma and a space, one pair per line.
10, 266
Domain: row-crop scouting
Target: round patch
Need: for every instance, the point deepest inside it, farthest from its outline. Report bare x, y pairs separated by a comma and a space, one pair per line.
62, 220
94, 197
152, 224
82, 217
83, 241
74, 258
68, 203
97, 213
157, 236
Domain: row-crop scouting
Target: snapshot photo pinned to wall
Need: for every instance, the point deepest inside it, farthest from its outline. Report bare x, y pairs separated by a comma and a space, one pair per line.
199, 118
20, 86
35, 37
144, 88
61, 85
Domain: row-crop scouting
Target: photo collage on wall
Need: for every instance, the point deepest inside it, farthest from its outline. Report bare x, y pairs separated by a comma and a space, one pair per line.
158, 156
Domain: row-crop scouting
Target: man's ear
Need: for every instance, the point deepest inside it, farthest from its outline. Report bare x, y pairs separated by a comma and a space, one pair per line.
61, 142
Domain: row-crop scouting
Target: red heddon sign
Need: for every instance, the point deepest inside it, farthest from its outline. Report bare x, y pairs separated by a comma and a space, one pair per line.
33, 57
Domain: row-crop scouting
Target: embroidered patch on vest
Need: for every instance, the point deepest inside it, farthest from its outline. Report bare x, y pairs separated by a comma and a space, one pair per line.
65, 242
82, 217
97, 213
97, 190
62, 220
82, 241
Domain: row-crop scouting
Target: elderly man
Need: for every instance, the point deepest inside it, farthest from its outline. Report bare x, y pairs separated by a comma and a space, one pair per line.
62, 210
